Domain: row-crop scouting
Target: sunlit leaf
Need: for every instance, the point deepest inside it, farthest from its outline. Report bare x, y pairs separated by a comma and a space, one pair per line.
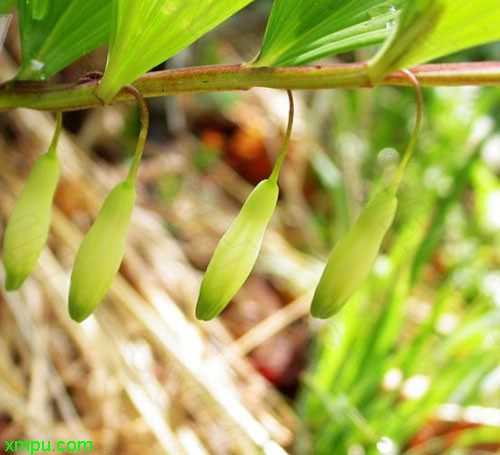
476, 436
55, 33
144, 34
301, 32
429, 29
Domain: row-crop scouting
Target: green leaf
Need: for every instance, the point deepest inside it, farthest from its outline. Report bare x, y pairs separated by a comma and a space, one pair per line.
146, 33
56, 33
429, 29
475, 436
301, 32
436, 229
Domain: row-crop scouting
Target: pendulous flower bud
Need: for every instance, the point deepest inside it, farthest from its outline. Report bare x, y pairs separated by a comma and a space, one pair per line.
101, 252
237, 251
352, 258
28, 226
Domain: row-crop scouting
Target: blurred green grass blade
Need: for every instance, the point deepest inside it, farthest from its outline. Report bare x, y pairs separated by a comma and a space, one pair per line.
56, 33
6, 6
469, 389
382, 337
403, 418
443, 207
483, 435
336, 352
429, 29
301, 32
411, 355
486, 184
415, 412
146, 33
470, 334
338, 348
342, 410
331, 179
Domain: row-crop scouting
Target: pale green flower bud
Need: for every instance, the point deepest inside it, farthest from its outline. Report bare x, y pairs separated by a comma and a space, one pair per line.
28, 226
101, 252
352, 258
237, 251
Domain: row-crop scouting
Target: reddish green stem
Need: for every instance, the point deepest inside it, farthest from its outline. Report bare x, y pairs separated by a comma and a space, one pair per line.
288, 134
241, 77
405, 160
141, 141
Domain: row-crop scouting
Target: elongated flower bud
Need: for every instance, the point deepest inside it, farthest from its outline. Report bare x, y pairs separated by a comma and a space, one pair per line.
101, 252
352, 258
28, 226
237, 251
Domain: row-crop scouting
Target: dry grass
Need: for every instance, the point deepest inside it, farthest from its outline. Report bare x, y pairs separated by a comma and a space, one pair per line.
141, 375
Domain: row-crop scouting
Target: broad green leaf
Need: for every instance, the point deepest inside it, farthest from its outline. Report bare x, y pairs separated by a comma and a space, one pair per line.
146, 33
301, 32
429, 29
55, 33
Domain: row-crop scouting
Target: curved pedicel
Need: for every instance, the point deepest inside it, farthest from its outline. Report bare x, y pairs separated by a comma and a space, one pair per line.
28, 226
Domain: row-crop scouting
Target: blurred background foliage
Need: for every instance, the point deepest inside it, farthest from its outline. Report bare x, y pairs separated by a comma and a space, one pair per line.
411, 365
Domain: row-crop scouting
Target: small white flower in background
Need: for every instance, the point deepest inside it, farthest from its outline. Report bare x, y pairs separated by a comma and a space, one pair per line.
451, 412
436, 179
416, 386
490, 387
382, 266
490, 152
493, 209
491, 286
482, 416
446, 323
481, 128
387, 446
393, 379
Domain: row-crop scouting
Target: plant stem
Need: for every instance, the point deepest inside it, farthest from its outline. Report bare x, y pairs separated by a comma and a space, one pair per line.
281, 157
55, 137
139, 149
241, 77
414, 135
